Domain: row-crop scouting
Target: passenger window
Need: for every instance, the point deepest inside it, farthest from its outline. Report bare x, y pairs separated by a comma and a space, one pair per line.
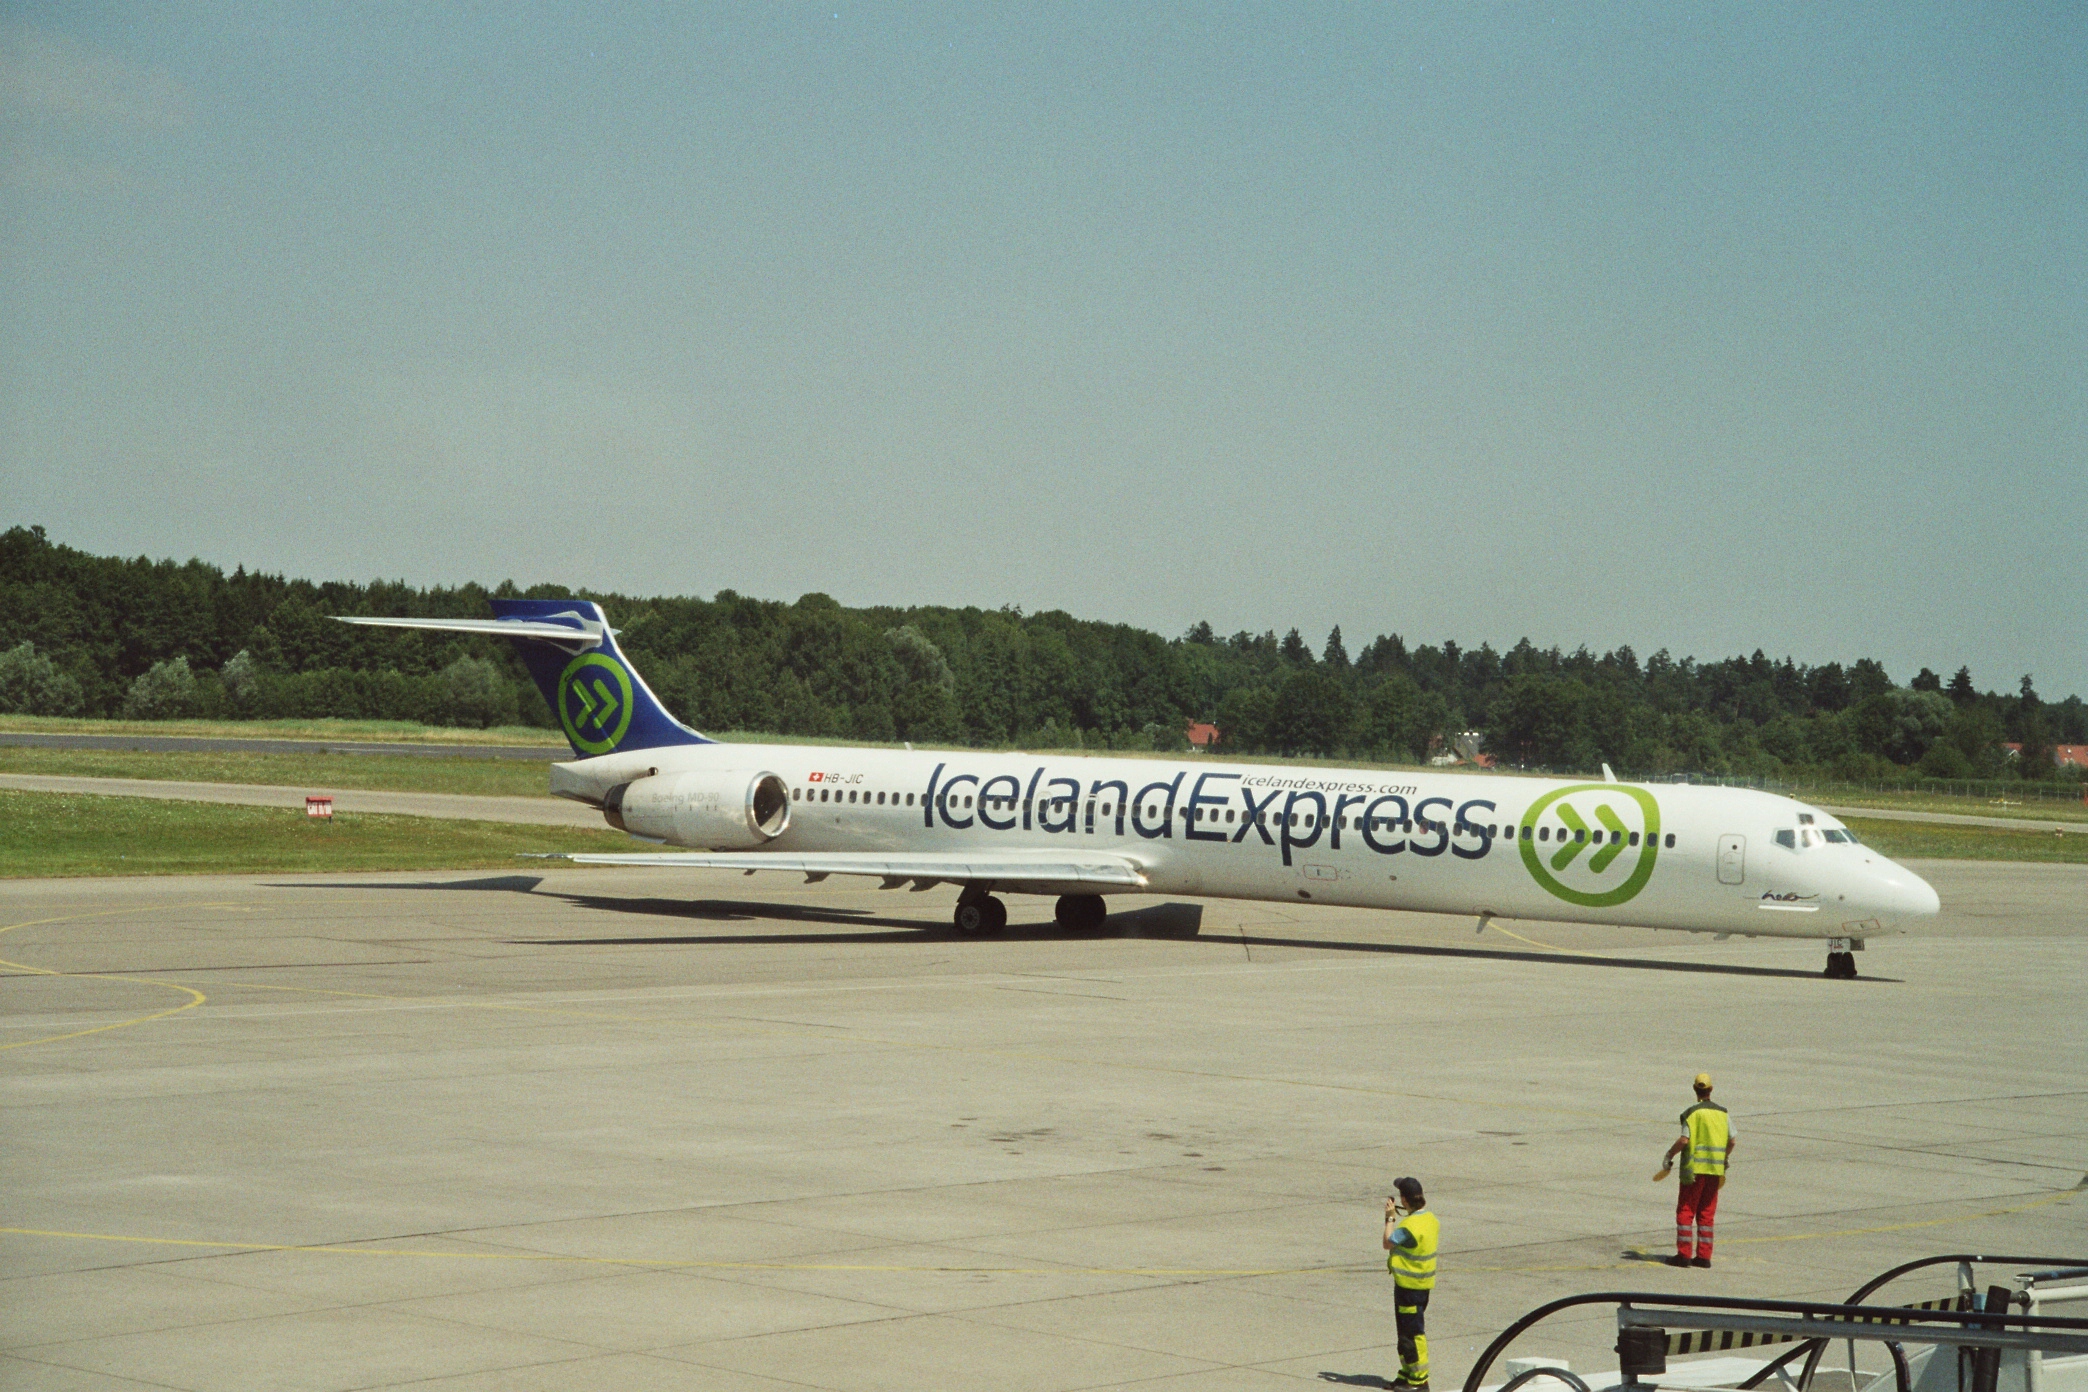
851, 795
967, 802
1670, 842
1598, 838
794, 793
909, 799
1634, 838
1544, 833
1580, 836
1787, 839
1228, 814
822, 794
1526, 833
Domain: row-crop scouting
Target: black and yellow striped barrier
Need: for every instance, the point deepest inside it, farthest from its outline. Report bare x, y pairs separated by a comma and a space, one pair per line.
1722, 1340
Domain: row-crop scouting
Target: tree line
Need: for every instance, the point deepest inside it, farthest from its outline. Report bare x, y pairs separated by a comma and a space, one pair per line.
105, 636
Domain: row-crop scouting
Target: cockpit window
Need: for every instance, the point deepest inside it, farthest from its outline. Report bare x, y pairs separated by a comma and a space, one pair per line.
1836, 836
1787, 839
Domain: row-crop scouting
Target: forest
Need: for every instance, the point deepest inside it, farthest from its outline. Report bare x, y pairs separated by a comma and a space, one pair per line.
99, 636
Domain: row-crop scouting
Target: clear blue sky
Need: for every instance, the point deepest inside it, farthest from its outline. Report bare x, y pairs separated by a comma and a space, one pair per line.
1708, 328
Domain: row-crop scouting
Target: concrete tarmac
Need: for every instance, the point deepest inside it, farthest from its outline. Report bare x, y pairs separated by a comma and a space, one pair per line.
677, 1129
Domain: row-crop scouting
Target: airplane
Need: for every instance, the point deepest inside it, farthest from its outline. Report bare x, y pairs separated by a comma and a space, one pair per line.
1080, 827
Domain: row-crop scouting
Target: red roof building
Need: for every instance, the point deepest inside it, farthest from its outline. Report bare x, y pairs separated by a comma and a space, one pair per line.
2064, 755
1202, 734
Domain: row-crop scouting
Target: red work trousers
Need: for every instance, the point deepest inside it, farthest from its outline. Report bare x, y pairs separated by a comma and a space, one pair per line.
1695, 1206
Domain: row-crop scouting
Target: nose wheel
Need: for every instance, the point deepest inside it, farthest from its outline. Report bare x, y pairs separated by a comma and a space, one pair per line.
1841, 966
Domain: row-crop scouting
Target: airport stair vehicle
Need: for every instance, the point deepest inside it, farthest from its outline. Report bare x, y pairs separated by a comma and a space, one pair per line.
2024, 1333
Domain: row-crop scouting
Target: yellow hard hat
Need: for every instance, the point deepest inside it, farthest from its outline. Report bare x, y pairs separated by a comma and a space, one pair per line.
1703, 1080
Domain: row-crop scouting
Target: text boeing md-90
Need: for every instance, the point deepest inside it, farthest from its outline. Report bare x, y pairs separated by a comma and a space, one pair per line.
1717, 860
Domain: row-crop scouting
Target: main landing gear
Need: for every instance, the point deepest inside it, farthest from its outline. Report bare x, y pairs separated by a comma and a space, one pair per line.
979, 912
1080, 913
1841, 959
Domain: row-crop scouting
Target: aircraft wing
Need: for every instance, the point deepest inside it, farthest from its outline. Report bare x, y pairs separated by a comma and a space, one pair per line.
895, 868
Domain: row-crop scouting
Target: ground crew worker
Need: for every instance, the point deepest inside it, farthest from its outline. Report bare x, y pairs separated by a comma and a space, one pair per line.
1706, 1147
1411, 1234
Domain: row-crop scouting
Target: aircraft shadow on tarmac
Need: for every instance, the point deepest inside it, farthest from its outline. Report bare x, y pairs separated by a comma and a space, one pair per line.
1180, 922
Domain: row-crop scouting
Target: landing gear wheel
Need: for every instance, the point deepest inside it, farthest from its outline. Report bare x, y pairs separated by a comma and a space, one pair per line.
983, 914
1080, 913
1841, 966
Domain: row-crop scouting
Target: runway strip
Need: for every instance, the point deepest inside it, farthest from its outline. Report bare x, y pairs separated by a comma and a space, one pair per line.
547, 811
1952, 819
528, 811
213, 744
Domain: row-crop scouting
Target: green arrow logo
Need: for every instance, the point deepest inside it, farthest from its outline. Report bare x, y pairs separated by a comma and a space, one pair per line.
1592, 887
604, 711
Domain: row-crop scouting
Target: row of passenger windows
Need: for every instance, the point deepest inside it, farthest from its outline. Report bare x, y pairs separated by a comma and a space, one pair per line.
821, 795
1304, 820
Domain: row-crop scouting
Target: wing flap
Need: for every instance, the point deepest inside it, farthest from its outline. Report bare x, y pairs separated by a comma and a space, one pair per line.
895, 869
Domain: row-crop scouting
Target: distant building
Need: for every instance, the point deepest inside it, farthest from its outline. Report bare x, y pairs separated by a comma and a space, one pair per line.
1464, 749
1203, 735
2064, 755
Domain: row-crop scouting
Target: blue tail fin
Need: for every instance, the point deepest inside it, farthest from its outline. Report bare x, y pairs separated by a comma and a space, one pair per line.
601, 702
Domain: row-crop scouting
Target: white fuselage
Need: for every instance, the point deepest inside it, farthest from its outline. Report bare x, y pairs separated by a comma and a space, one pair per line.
1659, 856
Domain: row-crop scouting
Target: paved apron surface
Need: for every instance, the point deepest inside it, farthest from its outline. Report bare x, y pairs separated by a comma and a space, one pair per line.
683, 1130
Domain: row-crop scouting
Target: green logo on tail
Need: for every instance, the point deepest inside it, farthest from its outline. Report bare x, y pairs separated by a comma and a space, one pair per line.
594, 696
1614, 870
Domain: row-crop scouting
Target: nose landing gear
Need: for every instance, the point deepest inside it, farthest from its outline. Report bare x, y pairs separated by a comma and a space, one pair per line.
1841, 959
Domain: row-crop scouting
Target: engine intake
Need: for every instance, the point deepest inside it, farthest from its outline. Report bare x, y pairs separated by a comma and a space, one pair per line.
717, 810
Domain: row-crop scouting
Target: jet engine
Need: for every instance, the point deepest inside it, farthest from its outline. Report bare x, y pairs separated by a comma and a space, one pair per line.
718, 810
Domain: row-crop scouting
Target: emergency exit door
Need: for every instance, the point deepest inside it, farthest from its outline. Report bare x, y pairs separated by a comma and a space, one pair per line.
1732, 859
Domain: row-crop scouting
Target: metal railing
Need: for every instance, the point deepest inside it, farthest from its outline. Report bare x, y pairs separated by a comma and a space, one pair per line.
1645, 1317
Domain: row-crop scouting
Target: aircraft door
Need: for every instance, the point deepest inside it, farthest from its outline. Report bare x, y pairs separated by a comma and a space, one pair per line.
1732, 859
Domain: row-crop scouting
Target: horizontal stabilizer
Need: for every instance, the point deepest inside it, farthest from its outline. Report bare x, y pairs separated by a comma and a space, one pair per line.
565, 635
1107, 871
599, 699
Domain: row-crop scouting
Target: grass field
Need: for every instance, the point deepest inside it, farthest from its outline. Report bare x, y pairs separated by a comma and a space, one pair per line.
1928, 841
64, 834
395, 773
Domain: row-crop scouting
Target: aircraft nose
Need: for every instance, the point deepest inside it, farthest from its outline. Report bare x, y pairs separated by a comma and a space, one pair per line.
1903, 896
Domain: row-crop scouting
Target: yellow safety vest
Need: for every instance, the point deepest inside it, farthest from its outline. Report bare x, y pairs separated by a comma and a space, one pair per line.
1414, 1268
1710, 1137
